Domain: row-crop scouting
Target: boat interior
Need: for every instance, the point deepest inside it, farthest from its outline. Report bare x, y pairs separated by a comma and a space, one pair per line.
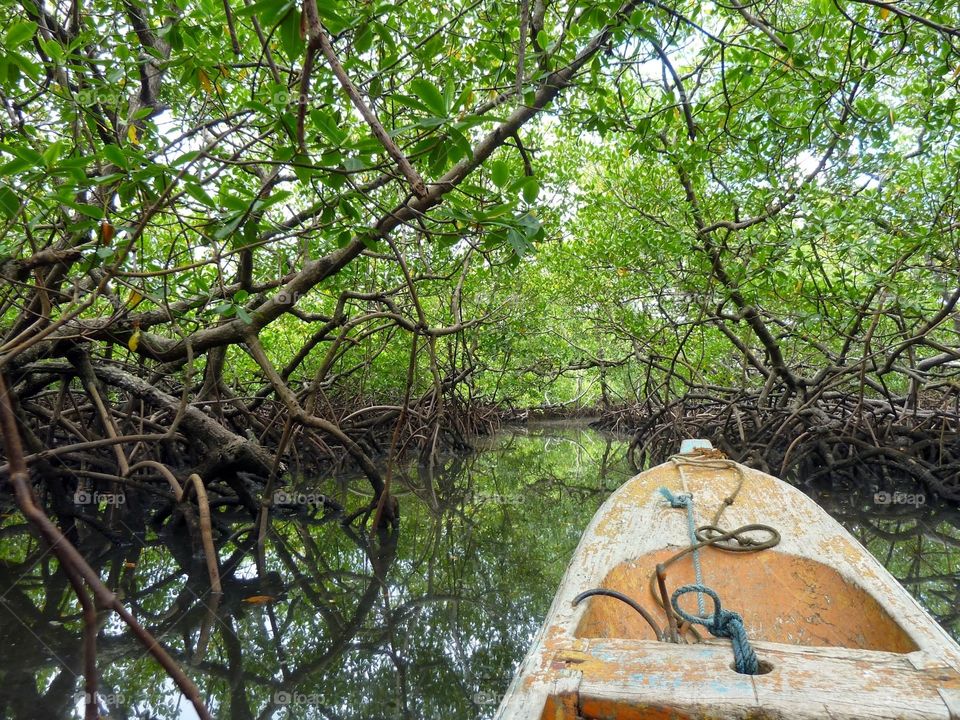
782, 598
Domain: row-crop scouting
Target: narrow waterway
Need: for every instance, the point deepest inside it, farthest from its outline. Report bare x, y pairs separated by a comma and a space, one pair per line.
428, 622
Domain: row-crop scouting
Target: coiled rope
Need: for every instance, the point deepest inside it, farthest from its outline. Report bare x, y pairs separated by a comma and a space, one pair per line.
723, 624
727, 540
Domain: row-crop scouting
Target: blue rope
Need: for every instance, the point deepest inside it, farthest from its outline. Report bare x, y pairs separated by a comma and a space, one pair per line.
685, 500
724, 624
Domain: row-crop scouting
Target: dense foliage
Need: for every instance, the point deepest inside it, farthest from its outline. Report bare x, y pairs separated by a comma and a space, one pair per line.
722, 195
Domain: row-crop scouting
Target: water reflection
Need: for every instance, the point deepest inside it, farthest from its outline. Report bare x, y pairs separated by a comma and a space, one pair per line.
427, 621
914, 533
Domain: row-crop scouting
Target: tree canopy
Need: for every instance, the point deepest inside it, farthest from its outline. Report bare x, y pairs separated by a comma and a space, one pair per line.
708, 194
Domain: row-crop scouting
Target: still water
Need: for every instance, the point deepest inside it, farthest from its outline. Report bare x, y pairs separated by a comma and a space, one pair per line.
427, 622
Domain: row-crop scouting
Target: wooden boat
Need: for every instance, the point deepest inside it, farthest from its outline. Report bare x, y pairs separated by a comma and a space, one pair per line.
835, 634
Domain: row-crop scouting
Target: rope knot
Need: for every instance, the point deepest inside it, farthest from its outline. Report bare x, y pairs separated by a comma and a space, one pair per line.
723, 624
680, 500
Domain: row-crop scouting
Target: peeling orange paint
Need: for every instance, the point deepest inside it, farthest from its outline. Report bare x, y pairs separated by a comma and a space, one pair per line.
782, 598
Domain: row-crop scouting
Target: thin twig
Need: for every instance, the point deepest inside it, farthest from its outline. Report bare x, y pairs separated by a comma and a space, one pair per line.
320, 41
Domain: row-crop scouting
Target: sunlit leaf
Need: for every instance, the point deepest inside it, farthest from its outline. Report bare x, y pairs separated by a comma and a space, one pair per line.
431, 97
19, 33
205, 81
9, 201
499, 173
106, 232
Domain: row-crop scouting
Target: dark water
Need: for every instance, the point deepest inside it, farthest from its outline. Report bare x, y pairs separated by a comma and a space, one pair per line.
428, 622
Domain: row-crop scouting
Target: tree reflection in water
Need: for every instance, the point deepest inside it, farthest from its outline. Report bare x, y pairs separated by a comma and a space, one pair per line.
428, 621
914, 533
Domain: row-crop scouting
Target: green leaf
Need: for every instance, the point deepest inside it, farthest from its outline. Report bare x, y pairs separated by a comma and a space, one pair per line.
9, 201
348, 209
531, 189
333, 21
302, 167
248, 236
517, 242
269, 11
328, 126
335, 180
26, 154
142, 113
438, 159
499, 173
430, 96
52, 154
363, 40
449, 94
24, 64
822, 7
354, 164
199, 194
369, 238
410, 102
54, 49
293, 44
15, 166
185, 158
331, 158
277, 197
229, 227
115, 155
460, 147
19, 33
530, 225
91, 211
431, 121
232, 202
